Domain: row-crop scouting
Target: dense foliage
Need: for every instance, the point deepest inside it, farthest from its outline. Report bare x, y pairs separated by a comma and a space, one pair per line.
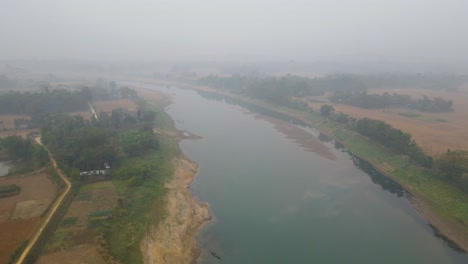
45, 102
24, 152
453, 165
78, 144
272, 89
394, 139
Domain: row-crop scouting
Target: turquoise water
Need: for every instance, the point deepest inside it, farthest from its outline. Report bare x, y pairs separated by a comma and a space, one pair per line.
275, 202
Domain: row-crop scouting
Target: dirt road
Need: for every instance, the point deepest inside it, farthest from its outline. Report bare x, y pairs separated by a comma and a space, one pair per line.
53, 210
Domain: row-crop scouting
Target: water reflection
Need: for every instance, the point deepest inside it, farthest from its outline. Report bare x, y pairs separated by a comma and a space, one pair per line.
447, 240
378, 178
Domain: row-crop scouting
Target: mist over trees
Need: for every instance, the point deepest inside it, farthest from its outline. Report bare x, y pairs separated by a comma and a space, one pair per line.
386, 100
7, 83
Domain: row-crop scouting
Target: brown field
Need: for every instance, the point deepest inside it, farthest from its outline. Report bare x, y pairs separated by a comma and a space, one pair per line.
19, 216
22, 133
151, 94
76, 255
84, 114
8, 121
434, 132
108, 106
75, 243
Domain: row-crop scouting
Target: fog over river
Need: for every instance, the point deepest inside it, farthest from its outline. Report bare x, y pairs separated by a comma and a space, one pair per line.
280, 197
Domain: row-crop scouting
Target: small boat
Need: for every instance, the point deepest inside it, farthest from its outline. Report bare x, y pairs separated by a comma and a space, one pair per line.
214, 254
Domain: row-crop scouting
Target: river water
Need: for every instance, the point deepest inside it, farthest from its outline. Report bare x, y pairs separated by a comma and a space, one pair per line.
276, 201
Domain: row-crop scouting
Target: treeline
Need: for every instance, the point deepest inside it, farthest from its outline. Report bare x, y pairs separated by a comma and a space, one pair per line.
381, 132
45, 102
451, 166
277, 90
302, 86
7, 83
394, 139
431, 81
376, 101
79, 145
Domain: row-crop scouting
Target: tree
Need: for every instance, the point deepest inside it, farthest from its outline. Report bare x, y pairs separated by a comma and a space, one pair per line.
136, 143
326, 110
453, 164
40, 156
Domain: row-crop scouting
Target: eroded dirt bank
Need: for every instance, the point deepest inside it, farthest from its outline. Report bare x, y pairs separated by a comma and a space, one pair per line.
173, 240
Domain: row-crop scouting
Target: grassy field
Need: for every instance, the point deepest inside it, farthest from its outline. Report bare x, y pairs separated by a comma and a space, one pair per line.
90, 210
434, 132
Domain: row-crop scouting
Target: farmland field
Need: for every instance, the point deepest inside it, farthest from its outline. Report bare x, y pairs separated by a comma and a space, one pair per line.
108, 106
74, 241
20, 215
434, 132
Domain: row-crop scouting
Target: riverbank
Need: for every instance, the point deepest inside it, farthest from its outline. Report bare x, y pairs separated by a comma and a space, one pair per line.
442, 205
173, 241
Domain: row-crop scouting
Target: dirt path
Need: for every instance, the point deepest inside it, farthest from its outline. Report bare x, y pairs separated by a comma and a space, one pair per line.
51, 213
173, 240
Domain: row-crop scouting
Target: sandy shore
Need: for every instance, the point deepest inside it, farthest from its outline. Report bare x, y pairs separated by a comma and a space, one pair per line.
173, 241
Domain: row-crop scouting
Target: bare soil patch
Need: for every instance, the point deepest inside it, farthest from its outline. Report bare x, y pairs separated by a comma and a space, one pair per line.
30, 209
108, 106
86, 115
35, 186
22, 133
14, 233
8, 121
84, 253
150, 94
435, 137
173, 240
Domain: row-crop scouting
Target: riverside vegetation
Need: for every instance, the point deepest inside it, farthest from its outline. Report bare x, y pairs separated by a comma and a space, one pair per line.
441, 182
139, 158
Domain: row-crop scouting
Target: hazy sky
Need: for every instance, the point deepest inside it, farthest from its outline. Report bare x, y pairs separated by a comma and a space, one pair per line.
238, 29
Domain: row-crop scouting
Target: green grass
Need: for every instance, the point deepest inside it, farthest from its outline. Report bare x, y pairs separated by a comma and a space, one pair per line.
94, 186
69, 222
56, 241
98, 218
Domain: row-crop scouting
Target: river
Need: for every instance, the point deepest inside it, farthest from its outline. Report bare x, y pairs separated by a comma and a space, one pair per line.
276, 200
